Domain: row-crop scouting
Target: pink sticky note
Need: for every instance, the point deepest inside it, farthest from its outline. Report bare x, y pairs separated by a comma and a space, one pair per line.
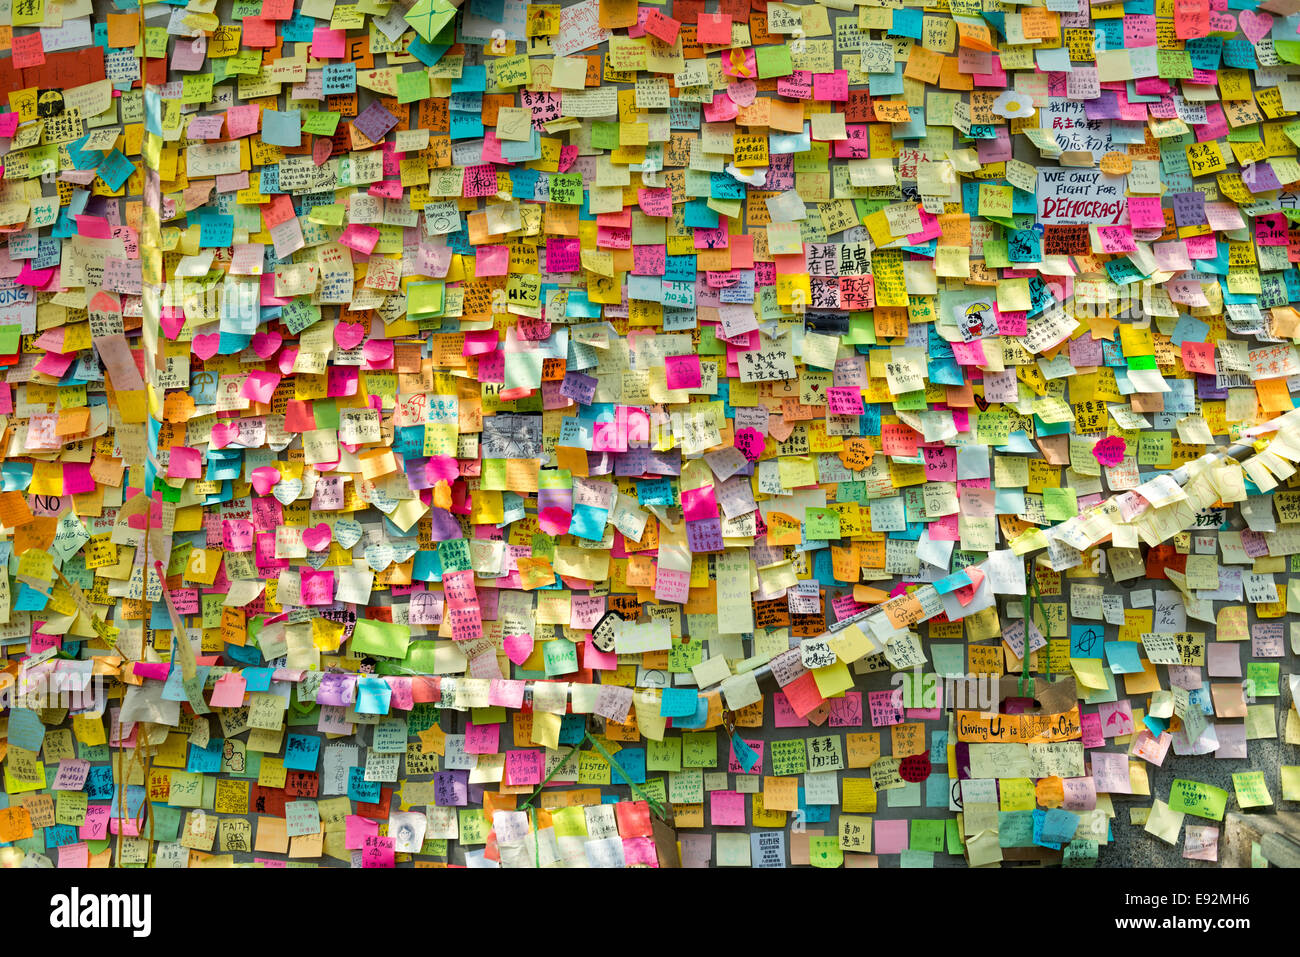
655, 202
492, 261
699, 503
726, 808
734, 766
229, 692
185, 463
74, 855
831, 86
260, 386
328, 44
784, 715
482, 738
683, 372
242, 120
1090, 724
356, 829
891, 837
361, 238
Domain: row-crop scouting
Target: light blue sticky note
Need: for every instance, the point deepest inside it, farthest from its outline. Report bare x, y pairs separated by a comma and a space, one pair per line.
25, 729
1122, 657
282, 129
678, 703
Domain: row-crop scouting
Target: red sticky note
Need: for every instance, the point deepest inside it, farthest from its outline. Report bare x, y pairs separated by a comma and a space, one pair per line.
713, 28
28, 50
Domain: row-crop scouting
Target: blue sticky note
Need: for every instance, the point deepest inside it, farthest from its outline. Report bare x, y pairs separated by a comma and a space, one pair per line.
1122, 657
745, 756
205, 760
29, 599
632, 761
906, 23
282, 129
115, 169
216, 231
697, 720
361, 790
373, 695
25, 729
1086, 641
678, 703
301, 752
1059, 826
1040, 821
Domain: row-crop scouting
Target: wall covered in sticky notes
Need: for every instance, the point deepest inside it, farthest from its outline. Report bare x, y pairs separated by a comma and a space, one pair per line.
707, 432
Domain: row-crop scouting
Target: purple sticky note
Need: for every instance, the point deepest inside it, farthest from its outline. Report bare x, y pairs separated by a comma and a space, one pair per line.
374, 122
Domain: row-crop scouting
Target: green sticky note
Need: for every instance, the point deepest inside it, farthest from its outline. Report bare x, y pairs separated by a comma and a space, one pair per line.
1252, 789
1198, 798
825, 851
328, 214
604, 136
196, 88
421, 658
1262, 679
326, 412
954, 836
427, 298
320, 122
9, 339
495, 714
699, 749
429, 17
1060, 504
566, 188
1080, 853
474, 826
560, 656
453, 554
789, 757
380, 638
665, 755
822, 524
911, 858
773, 59
927, 835
412, 86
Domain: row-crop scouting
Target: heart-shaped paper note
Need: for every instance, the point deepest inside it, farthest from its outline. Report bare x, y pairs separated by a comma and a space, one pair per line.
287, 490
318, 537
223, 433
403, 550
264, 478
518, 647
265, 344
1254, 25
205, 347
347, 532
379, 556
349, 334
